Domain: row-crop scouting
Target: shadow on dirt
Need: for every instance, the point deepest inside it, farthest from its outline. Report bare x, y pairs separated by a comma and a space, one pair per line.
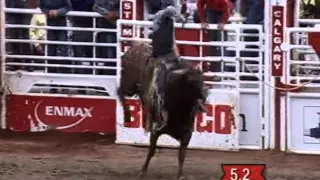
58, 137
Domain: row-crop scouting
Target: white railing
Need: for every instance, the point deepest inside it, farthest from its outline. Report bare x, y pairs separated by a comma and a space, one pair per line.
37, 11
308, 21
248, 85
304, 69
94, 63
87, 75
45, 58
230, 79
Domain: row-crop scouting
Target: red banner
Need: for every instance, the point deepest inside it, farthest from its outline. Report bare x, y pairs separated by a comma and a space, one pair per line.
36, 113
243, 171
277, 40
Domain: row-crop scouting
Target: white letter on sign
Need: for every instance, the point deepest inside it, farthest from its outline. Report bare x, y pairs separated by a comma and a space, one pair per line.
69, 111
277, 22
127, 6
277, 49
277, 40
49, 110
277, 57
277, 65
127, 14
277, 14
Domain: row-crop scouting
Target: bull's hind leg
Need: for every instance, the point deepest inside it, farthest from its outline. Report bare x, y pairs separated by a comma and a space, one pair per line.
126, 109
154, 136
184, 142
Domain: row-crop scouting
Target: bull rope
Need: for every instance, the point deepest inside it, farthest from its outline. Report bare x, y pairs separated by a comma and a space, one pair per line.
274, 87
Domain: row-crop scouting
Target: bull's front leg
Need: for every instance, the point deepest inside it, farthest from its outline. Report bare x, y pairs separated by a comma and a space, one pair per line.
146, 116
184, 142
154, 136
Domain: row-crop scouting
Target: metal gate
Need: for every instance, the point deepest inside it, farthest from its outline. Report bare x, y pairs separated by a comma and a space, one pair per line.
62, 92
241, 86
301, 106
83, 97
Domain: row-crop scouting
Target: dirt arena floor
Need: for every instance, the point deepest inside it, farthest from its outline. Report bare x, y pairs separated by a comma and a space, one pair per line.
57, 156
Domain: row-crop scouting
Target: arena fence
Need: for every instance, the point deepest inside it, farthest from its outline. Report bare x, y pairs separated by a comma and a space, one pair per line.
57, 100
241, 83
300, 119
83, 97
62, 92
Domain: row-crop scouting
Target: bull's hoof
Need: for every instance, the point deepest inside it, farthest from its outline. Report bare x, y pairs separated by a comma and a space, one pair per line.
141, 175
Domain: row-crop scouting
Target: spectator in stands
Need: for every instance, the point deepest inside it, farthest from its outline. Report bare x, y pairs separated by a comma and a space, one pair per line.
38, 34
17, 33
244, 7
255, 14
309, 9
109, 9
156, 5
82, 36
55, 11
214, 12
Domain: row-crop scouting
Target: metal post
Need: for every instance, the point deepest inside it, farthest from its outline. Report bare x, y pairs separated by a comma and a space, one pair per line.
3, 60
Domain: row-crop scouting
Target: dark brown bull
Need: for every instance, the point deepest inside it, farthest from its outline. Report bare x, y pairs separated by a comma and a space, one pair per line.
184, 94
184, 91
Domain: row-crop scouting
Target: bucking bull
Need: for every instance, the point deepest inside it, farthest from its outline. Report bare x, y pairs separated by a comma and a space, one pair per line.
171, 91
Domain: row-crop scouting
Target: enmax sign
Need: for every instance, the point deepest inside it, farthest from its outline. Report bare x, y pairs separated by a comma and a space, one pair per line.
68, 111
62, 117
39, 113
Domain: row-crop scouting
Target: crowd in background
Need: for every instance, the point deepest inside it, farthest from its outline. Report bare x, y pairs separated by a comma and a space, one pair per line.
54, 15
201, 11
309, 9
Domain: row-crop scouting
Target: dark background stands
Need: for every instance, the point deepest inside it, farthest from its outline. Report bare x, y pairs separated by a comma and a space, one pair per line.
156, 5
82, 36
105, 8
214, 12
255, 15
17, 33
61, 7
